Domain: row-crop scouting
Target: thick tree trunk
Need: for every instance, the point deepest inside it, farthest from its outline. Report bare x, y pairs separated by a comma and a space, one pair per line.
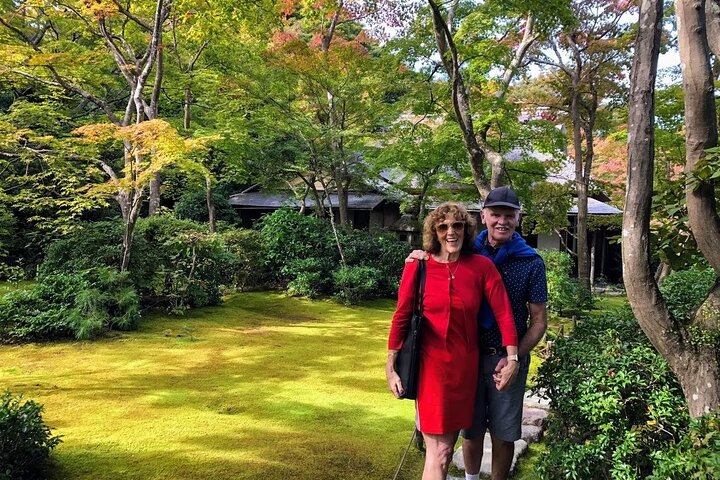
476, 153
700, 373
712, 21
700, 125
697, 368
699, 376
343, 206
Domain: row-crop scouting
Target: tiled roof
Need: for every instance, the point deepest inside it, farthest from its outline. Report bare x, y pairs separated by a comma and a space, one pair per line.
595, 207
261, 200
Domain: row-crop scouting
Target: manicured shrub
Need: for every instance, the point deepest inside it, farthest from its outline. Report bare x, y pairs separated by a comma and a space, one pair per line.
696, 456
245, 250
615, 401
300, 253
353, 284
381, 252
685, 290
174, 263
65, 305
193, 267
288, 237
311, 276
95, 244
25, 440
565, 294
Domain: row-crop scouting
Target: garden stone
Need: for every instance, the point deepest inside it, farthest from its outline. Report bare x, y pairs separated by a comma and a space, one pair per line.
536, 401
534, 416
531, 433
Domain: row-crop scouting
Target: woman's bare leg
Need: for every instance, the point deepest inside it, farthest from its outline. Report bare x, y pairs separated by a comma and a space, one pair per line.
438, 455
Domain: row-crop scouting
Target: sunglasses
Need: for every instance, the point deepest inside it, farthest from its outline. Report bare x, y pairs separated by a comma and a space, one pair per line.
443, 227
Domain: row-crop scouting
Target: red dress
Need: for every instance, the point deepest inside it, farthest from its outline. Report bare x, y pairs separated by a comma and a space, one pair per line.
449, 351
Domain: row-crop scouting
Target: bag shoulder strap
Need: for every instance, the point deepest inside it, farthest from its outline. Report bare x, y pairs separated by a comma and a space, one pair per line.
419, 289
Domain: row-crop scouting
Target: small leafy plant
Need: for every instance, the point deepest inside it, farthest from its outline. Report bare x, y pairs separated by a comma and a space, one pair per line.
25, 440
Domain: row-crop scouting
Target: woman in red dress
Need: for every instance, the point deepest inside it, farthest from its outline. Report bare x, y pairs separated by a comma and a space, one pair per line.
456, 284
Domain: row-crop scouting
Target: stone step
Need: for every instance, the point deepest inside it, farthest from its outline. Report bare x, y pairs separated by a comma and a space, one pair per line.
535, 411
534, 416
520, 448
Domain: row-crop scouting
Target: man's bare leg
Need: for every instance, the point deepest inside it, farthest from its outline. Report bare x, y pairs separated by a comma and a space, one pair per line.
472, 454
502, 455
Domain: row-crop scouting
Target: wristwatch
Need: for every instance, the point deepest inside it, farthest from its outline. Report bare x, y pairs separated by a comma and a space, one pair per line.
514, 358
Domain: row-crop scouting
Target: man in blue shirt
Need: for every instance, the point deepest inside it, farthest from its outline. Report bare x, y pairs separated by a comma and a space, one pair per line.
523, 272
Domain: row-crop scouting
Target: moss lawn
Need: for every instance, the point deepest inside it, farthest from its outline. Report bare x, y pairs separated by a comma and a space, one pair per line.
264, 387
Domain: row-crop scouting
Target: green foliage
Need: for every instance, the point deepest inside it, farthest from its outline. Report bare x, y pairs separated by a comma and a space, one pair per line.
244, 247
300, 252
565, 294
382, 252
707, 169
310, 276
69, 304
615, 401
25, 440
356, 283
192, 205
174, 263
685, 290
191, 270
288, 237
696, 456
547, 206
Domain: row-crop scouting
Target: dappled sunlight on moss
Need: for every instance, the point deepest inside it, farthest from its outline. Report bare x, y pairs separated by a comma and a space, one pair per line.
263, 387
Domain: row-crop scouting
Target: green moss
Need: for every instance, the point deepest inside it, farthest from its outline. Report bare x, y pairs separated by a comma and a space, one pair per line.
606, 302
6, 287
526, 468
269, 387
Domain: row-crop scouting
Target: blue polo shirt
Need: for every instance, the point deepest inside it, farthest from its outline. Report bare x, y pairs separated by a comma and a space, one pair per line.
525, 282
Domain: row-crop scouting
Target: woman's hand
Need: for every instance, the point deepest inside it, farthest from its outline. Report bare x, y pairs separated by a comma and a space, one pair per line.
505, 373
393, 379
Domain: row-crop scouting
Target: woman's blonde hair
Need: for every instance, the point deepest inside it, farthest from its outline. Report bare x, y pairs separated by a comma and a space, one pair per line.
451, 210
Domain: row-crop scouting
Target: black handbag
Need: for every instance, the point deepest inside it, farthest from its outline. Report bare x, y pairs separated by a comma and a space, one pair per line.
407, 362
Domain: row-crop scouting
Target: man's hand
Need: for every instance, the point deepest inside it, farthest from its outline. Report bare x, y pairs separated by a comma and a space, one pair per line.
417, 255
505, 373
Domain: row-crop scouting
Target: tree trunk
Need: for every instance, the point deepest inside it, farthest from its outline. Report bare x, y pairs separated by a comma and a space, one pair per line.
662, 271
581, 189
712, 21
342, 194
187, 102
592, 260
700, 125
210, 203
127, 244
461, 104
697, 369
130, 221
154, 198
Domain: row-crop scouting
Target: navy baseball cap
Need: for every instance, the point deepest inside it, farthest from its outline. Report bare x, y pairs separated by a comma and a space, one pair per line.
502, 197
